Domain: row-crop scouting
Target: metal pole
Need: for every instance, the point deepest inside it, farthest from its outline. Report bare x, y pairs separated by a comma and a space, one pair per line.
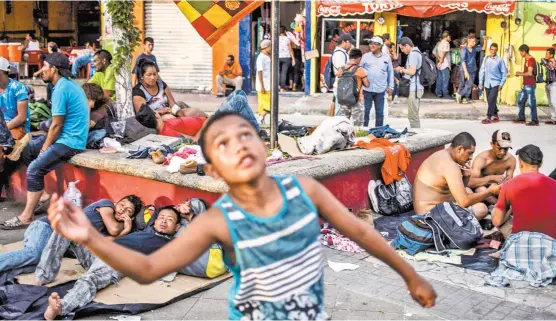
274, 82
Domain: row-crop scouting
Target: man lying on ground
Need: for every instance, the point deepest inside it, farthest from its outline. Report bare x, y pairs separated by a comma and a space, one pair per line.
493, 166
99, 275
531, 195
106, 217
443, 176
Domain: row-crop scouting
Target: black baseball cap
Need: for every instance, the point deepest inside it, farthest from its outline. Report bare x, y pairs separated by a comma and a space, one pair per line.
61, 62
345, 37
531, 155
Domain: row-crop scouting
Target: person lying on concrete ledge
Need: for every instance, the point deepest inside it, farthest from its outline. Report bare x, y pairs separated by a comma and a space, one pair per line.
531, 197
493, 166
99, 275
443, 177
108, 218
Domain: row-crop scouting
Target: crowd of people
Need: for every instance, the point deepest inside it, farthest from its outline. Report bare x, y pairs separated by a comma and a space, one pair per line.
464, 63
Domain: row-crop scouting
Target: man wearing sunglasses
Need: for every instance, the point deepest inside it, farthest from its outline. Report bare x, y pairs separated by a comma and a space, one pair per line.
493, 166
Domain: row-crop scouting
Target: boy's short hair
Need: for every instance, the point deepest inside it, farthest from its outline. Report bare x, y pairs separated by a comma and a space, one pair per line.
216, 117
524, 48
135, 201
551, 51
148, 39
494, 45
104, 54
355, 53
170, 208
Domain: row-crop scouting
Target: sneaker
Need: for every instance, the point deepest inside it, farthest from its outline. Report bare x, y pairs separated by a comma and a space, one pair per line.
532, 123
464, 100
495, 119
519, 121
486, 121
372, 195
458, 98
550, 122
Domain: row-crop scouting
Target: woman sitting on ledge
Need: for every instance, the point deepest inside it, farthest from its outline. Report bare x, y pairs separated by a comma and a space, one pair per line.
178, 119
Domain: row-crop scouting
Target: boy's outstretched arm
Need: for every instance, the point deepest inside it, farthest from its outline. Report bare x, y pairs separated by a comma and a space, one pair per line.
355, 229
70, 221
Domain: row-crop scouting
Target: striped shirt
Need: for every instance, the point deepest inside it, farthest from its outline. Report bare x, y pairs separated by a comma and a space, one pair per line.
279, 264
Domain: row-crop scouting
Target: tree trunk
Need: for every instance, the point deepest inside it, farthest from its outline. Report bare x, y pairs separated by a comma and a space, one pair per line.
123, 84
124, 100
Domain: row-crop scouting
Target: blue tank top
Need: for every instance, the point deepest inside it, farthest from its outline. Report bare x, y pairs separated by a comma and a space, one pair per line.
278, 273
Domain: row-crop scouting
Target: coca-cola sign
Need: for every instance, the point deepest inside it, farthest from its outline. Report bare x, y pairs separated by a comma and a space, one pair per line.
379, 7
498, 8
324, 10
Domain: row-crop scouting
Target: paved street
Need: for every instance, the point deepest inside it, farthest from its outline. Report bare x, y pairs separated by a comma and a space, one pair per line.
373, 291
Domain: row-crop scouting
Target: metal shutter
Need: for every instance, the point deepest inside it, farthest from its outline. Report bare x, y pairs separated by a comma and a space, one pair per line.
184, 58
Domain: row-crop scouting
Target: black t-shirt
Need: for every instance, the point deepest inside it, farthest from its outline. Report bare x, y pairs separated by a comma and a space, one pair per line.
138, 92
93, 214
146, 242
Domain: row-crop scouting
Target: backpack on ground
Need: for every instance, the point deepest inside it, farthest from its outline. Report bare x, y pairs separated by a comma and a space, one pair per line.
453, 227
347, 92
392, 199
414, 235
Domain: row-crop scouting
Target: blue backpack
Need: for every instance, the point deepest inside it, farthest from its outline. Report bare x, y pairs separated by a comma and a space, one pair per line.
329, 75
414, 235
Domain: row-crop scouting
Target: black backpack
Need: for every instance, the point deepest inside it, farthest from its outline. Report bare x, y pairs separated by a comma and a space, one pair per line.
453, 227
347, 92
427, 72
538, 72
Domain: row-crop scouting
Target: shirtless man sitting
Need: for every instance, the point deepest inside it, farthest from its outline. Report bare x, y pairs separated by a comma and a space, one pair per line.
493, 166
443, 176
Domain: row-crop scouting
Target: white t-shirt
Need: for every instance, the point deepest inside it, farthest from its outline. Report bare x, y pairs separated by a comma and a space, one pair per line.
385, 50
444, 46
339, 59
284, 47
264, 65
33, 45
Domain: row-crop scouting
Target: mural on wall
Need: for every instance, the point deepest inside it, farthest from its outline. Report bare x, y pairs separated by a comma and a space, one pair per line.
549, 22
213, 18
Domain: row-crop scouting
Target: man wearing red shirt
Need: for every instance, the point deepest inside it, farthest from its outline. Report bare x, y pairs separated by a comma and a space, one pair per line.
531, 196
528, 89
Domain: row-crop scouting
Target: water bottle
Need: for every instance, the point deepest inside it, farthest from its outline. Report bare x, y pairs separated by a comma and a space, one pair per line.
72, 194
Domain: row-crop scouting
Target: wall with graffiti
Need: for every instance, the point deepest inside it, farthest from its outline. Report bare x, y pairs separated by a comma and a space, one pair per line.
533, 24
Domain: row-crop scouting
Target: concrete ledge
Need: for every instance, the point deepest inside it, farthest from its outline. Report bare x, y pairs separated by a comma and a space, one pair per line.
326, 165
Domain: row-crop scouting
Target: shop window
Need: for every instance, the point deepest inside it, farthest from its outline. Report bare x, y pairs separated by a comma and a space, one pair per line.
360, 30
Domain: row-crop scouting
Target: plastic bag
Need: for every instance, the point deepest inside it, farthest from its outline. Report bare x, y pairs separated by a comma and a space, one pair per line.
72, 194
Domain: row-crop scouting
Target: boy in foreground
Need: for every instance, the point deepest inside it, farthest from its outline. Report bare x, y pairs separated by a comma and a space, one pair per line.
268, 227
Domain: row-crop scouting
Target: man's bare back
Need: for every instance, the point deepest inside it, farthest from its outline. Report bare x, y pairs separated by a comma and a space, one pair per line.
430, 186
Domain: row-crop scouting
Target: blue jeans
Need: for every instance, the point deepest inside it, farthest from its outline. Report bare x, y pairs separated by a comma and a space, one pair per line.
79, 63
40, 164
378, 100
442, 82
527, 93
237, 102
95, 137
35, 239
466, 85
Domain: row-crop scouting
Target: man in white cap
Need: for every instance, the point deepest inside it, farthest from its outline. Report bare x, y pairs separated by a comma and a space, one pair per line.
262, 84
493, 166
379, 67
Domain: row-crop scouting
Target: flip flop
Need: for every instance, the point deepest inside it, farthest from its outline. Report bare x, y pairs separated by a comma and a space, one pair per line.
42, 207
14, 224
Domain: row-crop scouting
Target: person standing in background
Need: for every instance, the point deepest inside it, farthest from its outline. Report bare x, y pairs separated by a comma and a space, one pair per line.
492, 77
527, 93
262, 85
443, 65
287, 59
550, 64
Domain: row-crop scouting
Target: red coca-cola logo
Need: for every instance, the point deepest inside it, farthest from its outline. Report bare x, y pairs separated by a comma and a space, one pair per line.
329, 10
504, 7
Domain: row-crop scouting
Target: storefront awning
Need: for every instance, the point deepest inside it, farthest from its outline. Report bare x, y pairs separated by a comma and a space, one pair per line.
412, 8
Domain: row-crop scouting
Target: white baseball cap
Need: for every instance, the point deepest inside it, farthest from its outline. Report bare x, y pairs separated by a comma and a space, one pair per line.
4, 64
377, 39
